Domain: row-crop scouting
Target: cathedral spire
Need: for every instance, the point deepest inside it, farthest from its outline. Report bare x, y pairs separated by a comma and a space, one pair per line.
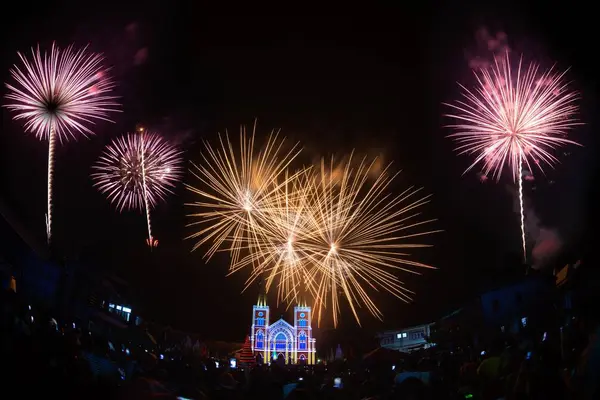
302, 302
262, 294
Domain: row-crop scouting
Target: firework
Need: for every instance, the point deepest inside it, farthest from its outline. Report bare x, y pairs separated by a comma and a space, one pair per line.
359, 235
58, 95
138, 171
514, 118
238, 189
316, 232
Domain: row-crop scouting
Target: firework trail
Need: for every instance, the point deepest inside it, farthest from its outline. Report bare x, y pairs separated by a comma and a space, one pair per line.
138, 171
58, 94
238, 189
514, 118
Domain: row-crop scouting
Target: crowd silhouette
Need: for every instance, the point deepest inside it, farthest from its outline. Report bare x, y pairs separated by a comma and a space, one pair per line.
44, 358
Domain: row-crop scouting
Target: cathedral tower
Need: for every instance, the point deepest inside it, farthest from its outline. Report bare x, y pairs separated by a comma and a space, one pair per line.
260, 327
305, 344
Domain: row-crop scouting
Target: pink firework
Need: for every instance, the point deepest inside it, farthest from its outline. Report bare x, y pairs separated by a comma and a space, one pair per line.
58, 94
514, 118
511, 118
61, 93
138, 171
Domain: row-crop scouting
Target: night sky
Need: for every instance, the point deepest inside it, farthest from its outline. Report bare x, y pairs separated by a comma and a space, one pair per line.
373, 80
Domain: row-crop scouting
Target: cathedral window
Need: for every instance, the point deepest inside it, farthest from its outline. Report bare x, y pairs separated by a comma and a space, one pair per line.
280, 342
302, 341
260, 338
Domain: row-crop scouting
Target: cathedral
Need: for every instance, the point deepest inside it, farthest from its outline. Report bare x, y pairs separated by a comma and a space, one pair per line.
280, 340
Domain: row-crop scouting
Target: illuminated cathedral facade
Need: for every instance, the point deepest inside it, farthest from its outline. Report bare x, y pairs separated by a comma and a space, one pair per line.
280, 340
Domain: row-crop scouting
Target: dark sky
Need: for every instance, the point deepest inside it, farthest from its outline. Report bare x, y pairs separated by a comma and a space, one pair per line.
373, 80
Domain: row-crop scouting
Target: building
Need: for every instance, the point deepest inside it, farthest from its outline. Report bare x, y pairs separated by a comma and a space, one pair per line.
569, 285
110, 297
292, 344
515, 305
25, 262
407, 339
100, 301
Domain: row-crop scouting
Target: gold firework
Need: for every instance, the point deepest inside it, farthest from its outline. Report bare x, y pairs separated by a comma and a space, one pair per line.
330, 232
359, 236
237, 189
